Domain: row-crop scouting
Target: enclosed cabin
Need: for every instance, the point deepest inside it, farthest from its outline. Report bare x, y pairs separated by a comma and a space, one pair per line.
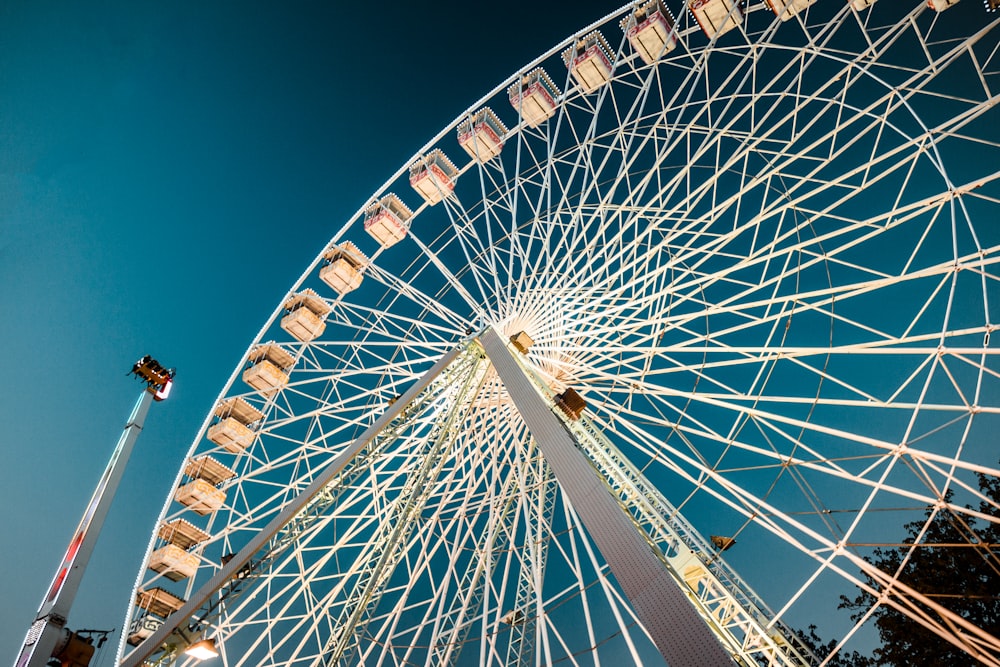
571, 403
181, 533
388, 220
201, 494
305, 315
173, 562
173, 559
534, 97
236, 425
143, 626
589, 61
717, 17
433, 176
268, 366
786, 9
649, 28
522, 342
343, 267
157, 604
481, 135
941, 5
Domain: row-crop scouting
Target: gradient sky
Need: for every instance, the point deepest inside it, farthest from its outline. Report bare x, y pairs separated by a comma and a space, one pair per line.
167, 170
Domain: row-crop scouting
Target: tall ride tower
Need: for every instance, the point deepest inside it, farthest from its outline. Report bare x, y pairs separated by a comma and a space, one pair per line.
48, 637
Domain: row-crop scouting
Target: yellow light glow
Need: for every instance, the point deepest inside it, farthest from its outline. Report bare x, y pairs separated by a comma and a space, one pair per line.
202, 650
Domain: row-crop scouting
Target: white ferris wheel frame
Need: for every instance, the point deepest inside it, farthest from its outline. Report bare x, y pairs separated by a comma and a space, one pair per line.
675, 295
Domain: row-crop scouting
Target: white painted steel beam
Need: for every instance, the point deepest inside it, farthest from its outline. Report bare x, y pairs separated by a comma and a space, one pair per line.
676, 628
231, 569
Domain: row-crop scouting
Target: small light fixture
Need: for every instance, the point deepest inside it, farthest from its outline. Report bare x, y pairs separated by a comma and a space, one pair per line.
202, 650
722, 543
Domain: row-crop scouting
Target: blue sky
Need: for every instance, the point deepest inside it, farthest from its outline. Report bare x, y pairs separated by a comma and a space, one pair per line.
166, 172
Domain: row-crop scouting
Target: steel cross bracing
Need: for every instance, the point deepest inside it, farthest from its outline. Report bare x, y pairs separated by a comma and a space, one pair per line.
742, 619
395, 528
734, 614
532, 493
208, 603
541, 496
673, 624
465, 608
738, 616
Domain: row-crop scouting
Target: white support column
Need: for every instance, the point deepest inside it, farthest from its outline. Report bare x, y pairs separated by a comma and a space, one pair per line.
678, 631
49, 625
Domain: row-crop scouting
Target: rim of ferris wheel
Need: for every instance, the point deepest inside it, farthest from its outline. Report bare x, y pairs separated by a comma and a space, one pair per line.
702, 246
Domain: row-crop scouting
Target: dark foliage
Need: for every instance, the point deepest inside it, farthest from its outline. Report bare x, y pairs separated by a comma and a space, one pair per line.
964, 579
822, 649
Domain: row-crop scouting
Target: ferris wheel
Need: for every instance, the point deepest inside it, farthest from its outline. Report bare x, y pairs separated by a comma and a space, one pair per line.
655, 343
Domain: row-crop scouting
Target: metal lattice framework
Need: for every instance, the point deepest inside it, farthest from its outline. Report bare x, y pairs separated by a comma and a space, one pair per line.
767, 262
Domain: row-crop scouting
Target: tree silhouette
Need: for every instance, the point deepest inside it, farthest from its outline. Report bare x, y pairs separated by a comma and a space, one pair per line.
956, 565
821, 649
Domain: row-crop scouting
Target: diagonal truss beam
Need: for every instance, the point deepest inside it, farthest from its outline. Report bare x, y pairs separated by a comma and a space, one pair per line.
627, 523
674, 625
299, 504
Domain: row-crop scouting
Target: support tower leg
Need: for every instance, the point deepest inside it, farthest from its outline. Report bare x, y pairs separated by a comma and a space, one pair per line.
675, 627
49, 624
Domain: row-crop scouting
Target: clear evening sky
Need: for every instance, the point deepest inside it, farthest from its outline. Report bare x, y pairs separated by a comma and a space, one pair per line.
167, 170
